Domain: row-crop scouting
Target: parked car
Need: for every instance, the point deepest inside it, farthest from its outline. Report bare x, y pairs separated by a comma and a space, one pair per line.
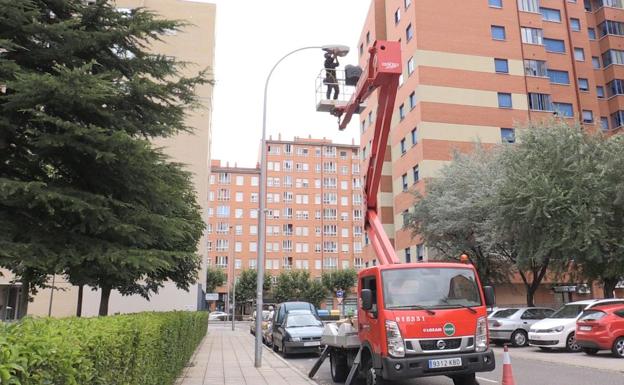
558, 330
218, 316
265, 321
300, 332
513, 324
284, 307
602, 328
492, 310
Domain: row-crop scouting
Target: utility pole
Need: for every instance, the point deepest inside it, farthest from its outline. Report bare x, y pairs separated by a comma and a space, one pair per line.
233, 281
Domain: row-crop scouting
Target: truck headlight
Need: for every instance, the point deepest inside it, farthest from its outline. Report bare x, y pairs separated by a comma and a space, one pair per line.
396, 347
481, 340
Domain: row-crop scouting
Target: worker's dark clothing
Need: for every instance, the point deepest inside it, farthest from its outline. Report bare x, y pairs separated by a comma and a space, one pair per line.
330, 76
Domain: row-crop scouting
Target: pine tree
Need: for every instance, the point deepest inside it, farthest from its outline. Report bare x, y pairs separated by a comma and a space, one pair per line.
82, 190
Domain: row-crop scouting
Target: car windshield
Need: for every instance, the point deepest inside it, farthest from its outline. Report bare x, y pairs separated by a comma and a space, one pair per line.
301, 320
430, 288
505, 313
592, 315
568, 311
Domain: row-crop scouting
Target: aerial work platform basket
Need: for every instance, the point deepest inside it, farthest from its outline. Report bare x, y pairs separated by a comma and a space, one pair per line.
345, 92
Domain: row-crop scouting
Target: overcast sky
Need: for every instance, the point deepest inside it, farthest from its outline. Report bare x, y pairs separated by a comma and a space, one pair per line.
251, 36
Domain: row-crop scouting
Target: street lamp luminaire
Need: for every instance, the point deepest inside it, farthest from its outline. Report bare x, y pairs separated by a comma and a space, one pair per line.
339, 50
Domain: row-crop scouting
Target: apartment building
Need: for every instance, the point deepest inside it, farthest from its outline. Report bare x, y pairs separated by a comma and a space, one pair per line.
194, 44
314, 210
473, 70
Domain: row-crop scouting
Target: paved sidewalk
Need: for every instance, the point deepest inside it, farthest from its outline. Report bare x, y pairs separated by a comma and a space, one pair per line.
226, 357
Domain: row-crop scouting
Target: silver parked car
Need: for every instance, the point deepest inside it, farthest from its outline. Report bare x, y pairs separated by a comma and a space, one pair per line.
513, 324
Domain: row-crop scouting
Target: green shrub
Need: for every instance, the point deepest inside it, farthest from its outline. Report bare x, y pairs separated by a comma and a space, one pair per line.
136, 349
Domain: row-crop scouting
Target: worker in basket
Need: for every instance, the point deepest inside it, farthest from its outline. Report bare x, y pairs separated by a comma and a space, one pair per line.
331, 62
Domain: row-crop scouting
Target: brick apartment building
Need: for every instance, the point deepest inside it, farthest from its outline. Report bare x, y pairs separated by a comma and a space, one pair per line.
315, 210
475, 69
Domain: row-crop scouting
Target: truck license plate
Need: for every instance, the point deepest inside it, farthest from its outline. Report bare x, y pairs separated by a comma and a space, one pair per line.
444, 363
314, 343
585, 328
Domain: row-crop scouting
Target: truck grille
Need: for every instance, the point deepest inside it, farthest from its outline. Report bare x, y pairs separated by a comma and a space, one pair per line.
450, 343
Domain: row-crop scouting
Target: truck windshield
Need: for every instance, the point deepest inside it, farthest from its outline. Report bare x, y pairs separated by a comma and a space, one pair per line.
434, 288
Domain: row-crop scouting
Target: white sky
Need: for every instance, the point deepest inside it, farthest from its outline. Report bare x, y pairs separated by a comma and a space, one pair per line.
251, 35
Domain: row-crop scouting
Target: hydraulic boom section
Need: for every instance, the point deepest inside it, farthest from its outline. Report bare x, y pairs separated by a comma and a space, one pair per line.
382, 74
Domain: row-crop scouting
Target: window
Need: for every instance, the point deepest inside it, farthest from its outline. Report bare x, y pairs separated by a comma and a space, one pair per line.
563, 109
554, 45
404, 182
592, 33
549, 14
610, 27
402, 111
612, 56
239, 197
528, 5
583, 84
239, 180
535, 68
420, 252
575, 24
410, 66
615, 87
579, 54
409, 32
254, 181
498, 32
412, 100
618, 119
596, 62
558, 77
532, 35
408, 255
508, 135
504, 100
604, 123
397, 16
501, 66
403, 148
588, 116
600, 92
539, 102
414, 137
415, 173
495, 3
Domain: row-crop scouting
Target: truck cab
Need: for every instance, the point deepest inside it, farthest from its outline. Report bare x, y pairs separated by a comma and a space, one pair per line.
423, 319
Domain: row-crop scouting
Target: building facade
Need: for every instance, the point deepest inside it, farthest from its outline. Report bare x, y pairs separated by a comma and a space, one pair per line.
194, 45
473, 70
314, 210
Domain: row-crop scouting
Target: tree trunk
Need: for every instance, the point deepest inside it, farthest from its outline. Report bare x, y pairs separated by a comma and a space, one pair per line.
79, 305
530, 295
106, 291
23, 300
608, 287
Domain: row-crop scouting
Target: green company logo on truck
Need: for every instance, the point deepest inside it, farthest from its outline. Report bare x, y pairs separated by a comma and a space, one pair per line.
449, 329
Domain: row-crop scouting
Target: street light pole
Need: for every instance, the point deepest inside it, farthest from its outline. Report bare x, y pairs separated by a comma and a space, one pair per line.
233, 264
262, 213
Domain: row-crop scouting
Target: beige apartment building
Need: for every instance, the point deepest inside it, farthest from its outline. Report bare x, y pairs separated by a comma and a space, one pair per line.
194, 44
315, 211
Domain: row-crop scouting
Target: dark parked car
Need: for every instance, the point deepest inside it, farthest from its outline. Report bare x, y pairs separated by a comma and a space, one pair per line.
300, 332
285, 307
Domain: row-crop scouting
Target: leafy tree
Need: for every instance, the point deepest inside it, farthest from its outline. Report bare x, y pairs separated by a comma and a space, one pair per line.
339, 280
297, 285
215, 277
82, 190
246, 285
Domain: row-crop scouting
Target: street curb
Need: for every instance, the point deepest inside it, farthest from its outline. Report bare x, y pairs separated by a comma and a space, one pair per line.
292, 367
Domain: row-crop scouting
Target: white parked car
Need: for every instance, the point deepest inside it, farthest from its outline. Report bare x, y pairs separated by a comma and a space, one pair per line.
557, 331
218, 316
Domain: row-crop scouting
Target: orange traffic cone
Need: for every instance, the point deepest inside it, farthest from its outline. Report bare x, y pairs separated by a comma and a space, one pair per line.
507, 373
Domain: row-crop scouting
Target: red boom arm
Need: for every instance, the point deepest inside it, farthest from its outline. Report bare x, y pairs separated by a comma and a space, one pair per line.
382, 73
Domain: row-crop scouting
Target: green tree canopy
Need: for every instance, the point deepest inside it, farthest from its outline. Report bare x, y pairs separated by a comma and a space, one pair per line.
339, 280
246, 285
297, 285
215, 277
82, 190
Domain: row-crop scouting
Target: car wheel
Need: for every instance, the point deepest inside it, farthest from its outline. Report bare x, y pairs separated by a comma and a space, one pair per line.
275, 348
371, 377
338, 366
590, 351
571, 344
618, 348
519, 338
284, 351
467, 379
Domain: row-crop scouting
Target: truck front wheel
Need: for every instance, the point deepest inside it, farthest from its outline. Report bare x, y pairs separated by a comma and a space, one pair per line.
467, 379
338, 366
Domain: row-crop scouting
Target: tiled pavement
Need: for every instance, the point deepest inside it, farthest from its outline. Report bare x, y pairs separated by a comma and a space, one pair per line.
226, 357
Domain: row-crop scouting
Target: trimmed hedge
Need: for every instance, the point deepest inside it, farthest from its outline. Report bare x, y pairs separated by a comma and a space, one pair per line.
135, 349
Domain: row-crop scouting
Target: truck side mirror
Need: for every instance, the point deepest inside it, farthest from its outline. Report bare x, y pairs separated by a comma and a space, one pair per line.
367, 299
490, 297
